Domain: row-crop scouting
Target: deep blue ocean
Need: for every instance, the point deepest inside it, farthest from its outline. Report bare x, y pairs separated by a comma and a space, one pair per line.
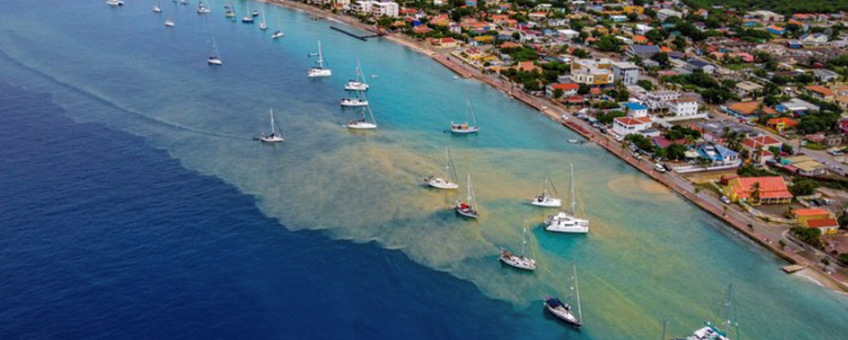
103, 237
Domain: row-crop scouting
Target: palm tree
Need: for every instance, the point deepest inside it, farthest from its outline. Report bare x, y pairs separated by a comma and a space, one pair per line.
733, 139
755, 192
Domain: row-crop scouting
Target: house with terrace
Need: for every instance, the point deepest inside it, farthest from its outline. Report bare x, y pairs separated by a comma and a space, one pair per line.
757, 190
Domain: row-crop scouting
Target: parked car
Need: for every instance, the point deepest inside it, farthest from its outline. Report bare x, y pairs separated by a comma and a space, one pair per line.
725, 200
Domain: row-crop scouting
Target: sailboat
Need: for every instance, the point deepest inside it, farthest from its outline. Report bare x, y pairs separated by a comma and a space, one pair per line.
359, 83
248, 18
449, 182
545, 199
203, 9
519, 261
278, 35
184, 2
359, 101
273, 137
465, 128
231, 11
468, 208
156, 8
319, 71
169, 23
215, 58
712, 332
563, 222
114, 3
363, 123
563, 311
262, 25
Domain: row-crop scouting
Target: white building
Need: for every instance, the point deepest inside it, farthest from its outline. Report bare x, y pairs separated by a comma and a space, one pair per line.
658, 100
683, 107
626, 72
385, 8
665, 13
623, 126
361, 7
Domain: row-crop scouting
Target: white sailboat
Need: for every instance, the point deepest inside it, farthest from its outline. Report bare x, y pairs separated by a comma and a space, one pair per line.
319, 71
273, 137
215, 58
203, 9
563, 311
262, 25
359, 101
184, 2
449, 182
248, 18
359, 83
563, 222
156, 8
231, 11
545, 200
519, 261
114, 3
278, 35
465, 128
363, 123
712, 332
468, 208
169, 23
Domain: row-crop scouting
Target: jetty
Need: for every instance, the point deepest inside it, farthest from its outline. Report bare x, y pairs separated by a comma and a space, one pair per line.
354, 35
791, 269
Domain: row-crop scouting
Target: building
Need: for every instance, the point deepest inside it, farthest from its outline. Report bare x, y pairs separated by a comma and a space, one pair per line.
626, 72
643, 51
780, 124
698, 64
814, 39
765, 16
747, 89
683, 107
658, 100
361, 7
797, 107
828, 226
718, 155
821, 93
568, 89
761, 142
623, 126
758, 190
805, 215
385, 8
666, 13
749, 110
636, 110
592, 72
805, 166
825, 76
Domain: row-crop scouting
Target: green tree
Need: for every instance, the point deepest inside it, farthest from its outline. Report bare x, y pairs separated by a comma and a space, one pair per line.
811, 236
558, 93
803, 187
675, 151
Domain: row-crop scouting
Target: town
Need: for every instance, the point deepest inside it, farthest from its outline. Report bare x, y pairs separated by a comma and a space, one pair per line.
743, 106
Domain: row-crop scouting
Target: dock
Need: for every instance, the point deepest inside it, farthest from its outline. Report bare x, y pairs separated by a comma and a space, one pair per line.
360, 37
792, 269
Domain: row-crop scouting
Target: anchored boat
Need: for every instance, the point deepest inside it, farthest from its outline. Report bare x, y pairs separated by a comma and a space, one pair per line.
449, 182
319, 71
564, 311
273, 137
465, 128
215, 58
363, 123
469, 207
359, 83
545, 200
563, 222
519, 261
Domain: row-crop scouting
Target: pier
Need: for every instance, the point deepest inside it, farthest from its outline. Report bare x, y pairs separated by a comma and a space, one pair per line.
360, 37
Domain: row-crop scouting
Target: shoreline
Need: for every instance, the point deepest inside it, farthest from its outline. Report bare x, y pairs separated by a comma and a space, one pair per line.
555, 112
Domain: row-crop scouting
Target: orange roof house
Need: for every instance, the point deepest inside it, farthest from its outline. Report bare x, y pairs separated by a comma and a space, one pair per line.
527, 66
748, 109
826, 225
804, 216
771, 190
821, 92
780, 124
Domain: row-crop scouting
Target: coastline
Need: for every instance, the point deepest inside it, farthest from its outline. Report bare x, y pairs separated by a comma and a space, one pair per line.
556, 113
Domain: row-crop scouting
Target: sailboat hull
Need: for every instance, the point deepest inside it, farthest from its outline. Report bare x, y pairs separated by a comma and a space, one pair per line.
271, 139
518, 262
464, 131
319, 73
564, 316
442, 184
468, 213
547, 202
362, 126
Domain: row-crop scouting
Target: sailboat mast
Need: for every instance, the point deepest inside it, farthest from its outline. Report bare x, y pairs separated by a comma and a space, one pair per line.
665, 324
573, 201
320, 55
577, 289
523, 237
447, 164
272, 122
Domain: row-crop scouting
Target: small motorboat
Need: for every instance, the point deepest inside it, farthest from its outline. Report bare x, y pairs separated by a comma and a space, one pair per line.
247, 20
115, 3
354, 102
255, 13
263, 26
573, 141
463, 129
169, 23
277, 35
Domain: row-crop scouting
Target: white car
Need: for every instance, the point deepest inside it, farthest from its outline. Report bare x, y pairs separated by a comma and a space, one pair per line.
725, 200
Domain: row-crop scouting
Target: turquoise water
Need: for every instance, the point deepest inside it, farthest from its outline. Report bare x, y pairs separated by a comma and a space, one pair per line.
649, 257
